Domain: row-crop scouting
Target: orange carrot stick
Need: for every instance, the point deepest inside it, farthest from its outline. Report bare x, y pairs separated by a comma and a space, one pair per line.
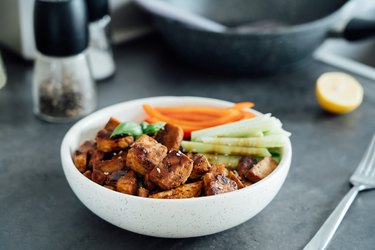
190, 116
233, 115
195, 110
187, 132
247, 115
243, 105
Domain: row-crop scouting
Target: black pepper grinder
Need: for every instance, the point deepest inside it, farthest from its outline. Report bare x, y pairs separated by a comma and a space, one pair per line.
63, 88
100, 51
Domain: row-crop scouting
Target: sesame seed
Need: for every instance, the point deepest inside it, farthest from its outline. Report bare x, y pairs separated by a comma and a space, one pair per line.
106, 173
158, 170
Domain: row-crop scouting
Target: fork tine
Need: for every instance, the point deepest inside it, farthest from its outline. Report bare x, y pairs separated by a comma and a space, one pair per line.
370, 166
364, 166
372, 174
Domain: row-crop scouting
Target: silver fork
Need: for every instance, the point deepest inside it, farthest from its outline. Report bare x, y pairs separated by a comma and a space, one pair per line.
362, 179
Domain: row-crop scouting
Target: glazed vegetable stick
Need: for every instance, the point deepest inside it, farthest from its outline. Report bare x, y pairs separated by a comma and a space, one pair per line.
190, 117
275, 150
240, 125
243, 105
276, 158
279, 131
233, 115
195, 110
200, 147
242, 128
257, 142
230, 161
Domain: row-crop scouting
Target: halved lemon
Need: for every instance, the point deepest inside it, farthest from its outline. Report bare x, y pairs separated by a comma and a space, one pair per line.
338, 92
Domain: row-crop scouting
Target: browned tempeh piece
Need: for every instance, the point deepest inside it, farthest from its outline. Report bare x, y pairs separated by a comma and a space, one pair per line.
261, 169
122, 153
219, 169
185, 191
107, 144
87, 174
235, 178
143, 192
148, 183
112, 124
109, 187
200, 166
82, 155
114, 177
110, 166
244, 165
145, 154
247, 183
173, 171
98, 176
102, 169
170, 136
217, 182
96, 156
128, 183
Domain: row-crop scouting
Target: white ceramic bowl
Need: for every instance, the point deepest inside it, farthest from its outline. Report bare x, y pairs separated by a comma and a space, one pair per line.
177, 218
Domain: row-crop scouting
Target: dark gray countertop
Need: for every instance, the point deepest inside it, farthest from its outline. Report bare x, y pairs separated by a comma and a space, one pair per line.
38, 210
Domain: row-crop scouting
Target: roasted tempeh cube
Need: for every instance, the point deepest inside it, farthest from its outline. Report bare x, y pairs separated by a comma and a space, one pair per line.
170, 136
107, 144
143, 192
145, 154
109, 187
110, 166
116, 154
128, 183
219, 169
200, 166
173, 171
114, 177
87, 174
247, 183
82, 155
98, 176
217, 182
96, 156
148, 183
102, 169
261, 169
234, 177
112, 124
185, 191
244, 165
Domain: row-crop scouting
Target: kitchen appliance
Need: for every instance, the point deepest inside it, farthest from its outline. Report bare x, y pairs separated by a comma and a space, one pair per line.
128, 22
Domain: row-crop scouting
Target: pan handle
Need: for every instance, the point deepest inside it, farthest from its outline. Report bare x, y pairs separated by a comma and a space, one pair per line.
358, 29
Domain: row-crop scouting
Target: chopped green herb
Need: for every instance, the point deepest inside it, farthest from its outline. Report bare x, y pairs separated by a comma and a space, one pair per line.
152, 128
136, 130
127, 128
144, 125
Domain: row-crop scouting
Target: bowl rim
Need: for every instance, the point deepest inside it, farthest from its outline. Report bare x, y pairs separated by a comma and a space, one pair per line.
67, 160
